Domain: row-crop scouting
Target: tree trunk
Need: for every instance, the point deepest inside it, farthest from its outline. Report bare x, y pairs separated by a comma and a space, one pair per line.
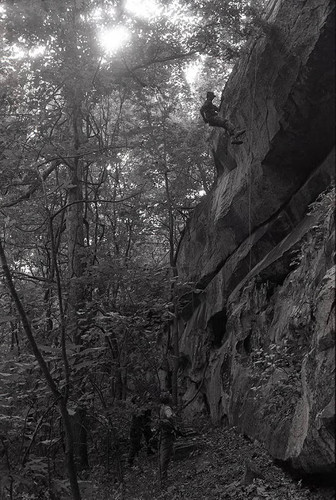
61, 401
69, 451
79, 421
75, 232
175, 339
174, 325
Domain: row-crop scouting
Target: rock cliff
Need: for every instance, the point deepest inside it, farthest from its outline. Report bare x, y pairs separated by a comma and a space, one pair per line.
257, 326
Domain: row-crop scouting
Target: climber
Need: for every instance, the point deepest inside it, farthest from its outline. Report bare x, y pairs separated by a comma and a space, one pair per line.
209, 112
140, 426
168, 433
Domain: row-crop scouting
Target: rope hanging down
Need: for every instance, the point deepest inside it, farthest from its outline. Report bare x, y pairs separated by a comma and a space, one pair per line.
249, 177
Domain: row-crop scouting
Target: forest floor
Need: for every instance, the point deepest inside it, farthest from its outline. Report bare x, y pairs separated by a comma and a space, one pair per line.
222, 466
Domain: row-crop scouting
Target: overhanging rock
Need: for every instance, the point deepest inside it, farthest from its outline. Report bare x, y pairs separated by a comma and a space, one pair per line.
285, 97
239, 246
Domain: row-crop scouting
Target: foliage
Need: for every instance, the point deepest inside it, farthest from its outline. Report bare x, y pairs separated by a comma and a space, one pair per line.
322, 210
279, 369
102, 159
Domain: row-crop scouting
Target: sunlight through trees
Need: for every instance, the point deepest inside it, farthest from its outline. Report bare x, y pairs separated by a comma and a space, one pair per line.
103, 158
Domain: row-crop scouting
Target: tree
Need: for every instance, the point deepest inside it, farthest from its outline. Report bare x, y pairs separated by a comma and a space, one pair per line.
102, 161
60, 398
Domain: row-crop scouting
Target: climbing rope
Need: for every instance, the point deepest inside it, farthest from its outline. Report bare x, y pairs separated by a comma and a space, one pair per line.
249, 178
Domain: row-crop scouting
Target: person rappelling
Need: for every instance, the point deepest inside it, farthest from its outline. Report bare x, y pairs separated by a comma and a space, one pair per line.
209, 112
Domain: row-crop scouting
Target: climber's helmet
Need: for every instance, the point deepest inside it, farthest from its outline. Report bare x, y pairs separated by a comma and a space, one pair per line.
210, 95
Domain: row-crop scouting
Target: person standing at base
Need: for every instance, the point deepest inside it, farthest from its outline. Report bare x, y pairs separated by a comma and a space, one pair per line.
168, 433
140, 426
209, 112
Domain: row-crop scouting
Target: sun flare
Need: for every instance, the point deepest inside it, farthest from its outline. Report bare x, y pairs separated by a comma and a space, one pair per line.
112, 39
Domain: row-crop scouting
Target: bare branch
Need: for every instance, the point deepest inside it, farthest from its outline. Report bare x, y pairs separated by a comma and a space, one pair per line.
32, 188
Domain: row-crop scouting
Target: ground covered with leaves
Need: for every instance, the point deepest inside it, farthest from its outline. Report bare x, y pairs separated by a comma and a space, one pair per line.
220, 465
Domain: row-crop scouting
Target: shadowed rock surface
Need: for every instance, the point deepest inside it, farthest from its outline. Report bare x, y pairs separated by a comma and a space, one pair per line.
258, 342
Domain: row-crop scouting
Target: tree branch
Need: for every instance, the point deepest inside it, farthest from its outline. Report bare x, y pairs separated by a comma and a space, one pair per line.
34, 187
26, 325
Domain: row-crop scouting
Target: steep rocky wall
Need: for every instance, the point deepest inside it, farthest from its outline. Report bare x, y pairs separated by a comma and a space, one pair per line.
257, 335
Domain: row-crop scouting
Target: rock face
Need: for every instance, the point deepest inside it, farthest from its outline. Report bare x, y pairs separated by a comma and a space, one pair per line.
257, 327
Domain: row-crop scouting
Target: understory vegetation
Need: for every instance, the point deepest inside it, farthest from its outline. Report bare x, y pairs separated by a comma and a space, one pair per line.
103, 158
216, 463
